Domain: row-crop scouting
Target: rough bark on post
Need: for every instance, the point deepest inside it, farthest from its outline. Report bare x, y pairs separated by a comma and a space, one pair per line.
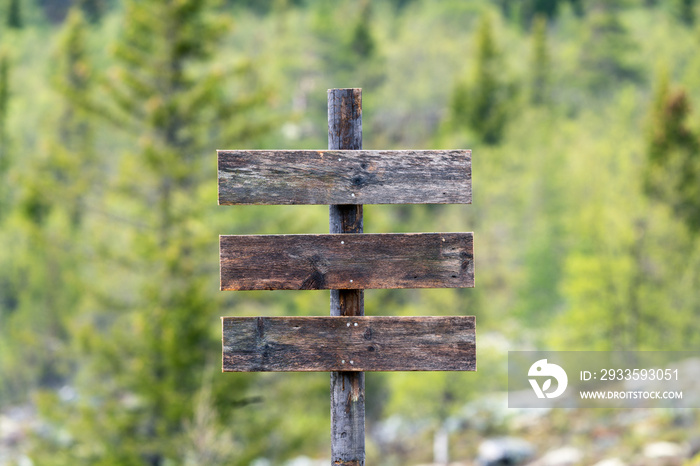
347, 388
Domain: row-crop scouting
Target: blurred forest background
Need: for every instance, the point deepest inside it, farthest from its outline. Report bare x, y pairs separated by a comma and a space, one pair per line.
586, 213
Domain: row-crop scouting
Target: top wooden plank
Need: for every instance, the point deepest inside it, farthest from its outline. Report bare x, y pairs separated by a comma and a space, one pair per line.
287, 177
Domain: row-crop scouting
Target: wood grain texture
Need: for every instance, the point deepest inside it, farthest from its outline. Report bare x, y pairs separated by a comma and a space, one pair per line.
347, 388
345, 119
345, 177
263, 344
347, 261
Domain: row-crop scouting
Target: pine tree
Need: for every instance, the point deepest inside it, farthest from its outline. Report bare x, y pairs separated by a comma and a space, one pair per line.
481, 102
540, 61
14, 14
672, 172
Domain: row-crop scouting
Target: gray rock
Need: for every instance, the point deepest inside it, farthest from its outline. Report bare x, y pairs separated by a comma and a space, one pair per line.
504, 451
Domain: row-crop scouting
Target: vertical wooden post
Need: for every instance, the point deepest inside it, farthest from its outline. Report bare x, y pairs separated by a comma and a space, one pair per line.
347, 388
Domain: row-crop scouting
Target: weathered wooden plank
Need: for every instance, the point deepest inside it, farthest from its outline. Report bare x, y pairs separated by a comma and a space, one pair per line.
262, 344
347, 388
347, 261
345, 177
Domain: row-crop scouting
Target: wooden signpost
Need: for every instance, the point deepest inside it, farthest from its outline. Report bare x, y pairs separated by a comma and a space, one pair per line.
346, 343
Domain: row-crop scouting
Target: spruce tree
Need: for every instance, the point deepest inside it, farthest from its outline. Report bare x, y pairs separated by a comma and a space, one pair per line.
4, 101
61, 172
155, 338
8, 294
45, 226
577, 6
531, 9
481, 101
540, 62
45, 229
14, 14
686, 11
71, 157
362, 42
92, 9
74, 80
672, 172
656, 134
607, 50
4, 138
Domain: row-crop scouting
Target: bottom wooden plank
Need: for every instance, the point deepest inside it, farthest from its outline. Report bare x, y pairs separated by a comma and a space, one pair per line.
264, 344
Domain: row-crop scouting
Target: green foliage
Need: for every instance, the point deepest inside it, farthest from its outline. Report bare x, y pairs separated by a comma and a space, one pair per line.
401, 4
362, 42
586, 233
578, 7
4, 108
482, 102
607, 50
74, 80
686, 11
92, 9
672, 172
45, 227
540, 62
263, 6
159, 327
4, 88
349, 47
531, 9
14, 14
527, 11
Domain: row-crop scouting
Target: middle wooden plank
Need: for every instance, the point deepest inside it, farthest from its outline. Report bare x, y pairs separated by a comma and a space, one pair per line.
347, 261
